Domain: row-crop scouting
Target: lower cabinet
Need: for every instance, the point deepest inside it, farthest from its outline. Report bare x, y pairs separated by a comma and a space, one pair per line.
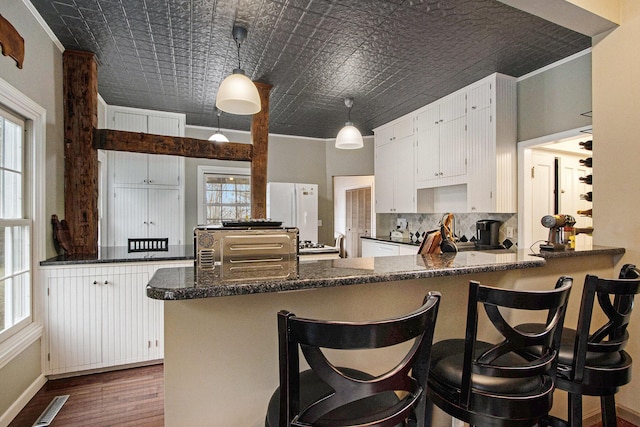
376, 248
99, 317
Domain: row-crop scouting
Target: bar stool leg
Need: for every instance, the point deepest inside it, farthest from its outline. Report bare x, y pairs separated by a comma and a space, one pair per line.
608, 406
575, 410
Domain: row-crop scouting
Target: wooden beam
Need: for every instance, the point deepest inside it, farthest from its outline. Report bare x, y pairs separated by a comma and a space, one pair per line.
80, 97
260, 141
108, 139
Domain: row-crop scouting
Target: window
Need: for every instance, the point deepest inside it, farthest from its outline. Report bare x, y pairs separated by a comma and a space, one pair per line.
15, 228
224, 194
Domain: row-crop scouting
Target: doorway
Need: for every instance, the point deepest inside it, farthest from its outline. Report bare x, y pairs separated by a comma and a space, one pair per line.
549, 183
353, 210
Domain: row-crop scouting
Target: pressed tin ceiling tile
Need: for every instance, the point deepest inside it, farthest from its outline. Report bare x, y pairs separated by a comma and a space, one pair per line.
393, 56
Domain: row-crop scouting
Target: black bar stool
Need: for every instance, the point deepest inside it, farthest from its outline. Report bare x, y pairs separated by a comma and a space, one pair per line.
596, 364
326, 395
489, 384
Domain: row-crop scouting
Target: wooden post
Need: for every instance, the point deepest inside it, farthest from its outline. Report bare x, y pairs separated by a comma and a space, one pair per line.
260, 141
80, 95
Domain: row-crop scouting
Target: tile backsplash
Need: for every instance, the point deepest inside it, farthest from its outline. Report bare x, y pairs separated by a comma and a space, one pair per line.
464, 225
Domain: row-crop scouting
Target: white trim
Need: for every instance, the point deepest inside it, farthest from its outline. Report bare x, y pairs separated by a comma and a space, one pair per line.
221, 170
18, 343
43, 24
22, 401
555, 64
524, 182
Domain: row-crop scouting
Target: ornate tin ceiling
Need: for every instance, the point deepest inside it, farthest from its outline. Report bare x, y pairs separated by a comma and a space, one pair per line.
391, 56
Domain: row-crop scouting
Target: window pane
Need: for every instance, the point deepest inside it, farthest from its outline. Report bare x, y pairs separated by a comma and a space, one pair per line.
3, 245
11, 195
11, 146
227, 197
20, 249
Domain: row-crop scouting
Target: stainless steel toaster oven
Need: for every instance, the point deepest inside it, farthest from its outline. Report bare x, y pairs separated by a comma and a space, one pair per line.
246, 253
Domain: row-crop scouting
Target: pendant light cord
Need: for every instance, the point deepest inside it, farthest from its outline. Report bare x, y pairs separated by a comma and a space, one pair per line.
238, 43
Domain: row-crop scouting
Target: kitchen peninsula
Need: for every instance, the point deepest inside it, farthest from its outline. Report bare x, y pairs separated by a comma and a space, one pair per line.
221, 353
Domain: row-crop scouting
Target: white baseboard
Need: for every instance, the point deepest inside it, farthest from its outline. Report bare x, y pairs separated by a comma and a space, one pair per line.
22, 401
628, 414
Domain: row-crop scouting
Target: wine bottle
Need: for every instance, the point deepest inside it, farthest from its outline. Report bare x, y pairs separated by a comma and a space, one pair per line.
586, 145
587, 162
586, 212
588, 196
587, 179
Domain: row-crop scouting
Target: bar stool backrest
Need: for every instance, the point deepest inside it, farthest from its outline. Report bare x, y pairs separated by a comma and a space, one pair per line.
313, 335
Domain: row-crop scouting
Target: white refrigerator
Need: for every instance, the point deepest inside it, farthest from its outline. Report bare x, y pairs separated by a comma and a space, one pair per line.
296, 205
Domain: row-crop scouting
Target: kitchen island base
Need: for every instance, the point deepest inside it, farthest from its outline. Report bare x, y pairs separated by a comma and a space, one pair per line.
221, 353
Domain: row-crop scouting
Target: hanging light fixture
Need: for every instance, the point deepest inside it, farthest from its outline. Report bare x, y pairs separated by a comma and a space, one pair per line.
218, 136
349, 137
237, 93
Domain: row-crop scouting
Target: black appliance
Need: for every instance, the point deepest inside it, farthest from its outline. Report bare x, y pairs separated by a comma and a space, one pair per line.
488, 234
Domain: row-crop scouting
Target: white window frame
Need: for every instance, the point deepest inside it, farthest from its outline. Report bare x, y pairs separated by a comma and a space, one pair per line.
204, 170
20, 336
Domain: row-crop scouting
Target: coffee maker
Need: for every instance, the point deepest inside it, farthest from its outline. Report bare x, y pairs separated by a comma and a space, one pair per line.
558, 226
488, 234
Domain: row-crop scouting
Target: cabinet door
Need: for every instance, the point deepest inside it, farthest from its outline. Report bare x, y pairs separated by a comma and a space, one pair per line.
453, 107
130, 122
130, 217
164, 125
403, 128
385, 168
124, 326
128, 168
407, 250
384, 135
480, 186
405, 180
166, 215
453, 148
479, 97
164, 170
428, 147
74, 323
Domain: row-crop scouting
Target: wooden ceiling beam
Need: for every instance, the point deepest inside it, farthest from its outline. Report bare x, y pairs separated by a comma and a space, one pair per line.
107, 139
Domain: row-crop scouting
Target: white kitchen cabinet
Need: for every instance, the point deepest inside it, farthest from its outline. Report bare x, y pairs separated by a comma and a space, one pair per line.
100, 316
441, 150
395, 130
145, 191
377, 248
492, 135
394, 177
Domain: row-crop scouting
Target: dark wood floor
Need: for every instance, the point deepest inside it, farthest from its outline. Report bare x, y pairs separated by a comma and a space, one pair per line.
131, 397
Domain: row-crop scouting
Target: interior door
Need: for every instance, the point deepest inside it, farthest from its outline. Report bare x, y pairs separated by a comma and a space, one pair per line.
358, 207
542, 187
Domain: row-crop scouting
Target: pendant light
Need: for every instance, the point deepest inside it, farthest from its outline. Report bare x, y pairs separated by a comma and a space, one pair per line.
349, 137
237, 93
218, 136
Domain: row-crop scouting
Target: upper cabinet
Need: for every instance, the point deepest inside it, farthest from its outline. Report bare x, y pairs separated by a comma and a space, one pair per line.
441, 142
464, 152
394, 131
145, 191
394, 167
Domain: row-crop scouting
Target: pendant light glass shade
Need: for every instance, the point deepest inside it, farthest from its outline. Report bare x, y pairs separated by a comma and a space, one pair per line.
218, 136
237, 94
349, 137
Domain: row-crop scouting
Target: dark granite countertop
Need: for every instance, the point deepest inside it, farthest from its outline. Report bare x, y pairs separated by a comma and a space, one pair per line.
183, 283
120, 254
388, 239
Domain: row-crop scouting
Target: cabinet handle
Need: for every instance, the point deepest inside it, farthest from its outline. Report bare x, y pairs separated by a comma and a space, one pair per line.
440, 174
435, 174
150, 181
151, 222
145, 222
106, 282
148, 344
95, 282
474, 107
144, 181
